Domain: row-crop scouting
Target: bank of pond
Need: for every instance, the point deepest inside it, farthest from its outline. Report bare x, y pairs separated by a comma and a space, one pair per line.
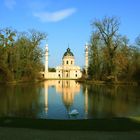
110, 124
81, 80
87, 81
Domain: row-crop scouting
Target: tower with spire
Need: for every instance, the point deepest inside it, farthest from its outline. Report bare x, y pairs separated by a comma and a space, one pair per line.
46, 60
86, 58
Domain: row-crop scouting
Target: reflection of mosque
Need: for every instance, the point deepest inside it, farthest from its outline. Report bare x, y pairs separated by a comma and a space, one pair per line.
68, 89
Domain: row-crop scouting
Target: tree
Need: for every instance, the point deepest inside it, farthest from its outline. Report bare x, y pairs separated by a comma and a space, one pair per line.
135, 67
20, 54
7, 38
108, 30
104, 43
51, 69
122, 59
94, 57
30, 54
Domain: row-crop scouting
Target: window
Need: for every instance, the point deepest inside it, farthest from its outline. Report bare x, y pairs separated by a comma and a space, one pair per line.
71, 62
67, 62
67, 75
75, 75
58, 75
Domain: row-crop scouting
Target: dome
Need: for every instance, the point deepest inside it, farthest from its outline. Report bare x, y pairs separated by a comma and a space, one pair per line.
68, 53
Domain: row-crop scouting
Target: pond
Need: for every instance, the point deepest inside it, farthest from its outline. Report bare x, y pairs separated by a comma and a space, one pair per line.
55, 99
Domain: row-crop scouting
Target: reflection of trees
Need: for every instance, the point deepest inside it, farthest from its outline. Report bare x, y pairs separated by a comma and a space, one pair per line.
105, 101
19, 101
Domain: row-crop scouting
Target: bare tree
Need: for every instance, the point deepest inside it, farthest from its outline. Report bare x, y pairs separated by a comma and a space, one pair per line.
108, 30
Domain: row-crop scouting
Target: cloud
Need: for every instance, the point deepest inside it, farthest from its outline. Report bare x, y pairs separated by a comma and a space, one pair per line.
10, 3
55, 16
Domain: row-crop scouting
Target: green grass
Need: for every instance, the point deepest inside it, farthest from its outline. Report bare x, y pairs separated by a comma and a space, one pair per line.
112, 124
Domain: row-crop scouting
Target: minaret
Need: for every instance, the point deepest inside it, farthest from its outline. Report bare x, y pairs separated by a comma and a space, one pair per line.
46, 60
86, 58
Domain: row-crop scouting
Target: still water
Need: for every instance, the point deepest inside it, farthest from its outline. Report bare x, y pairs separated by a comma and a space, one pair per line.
56, 99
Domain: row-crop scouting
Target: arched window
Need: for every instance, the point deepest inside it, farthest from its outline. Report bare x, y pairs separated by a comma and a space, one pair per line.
71, 62
67, 62
67, 75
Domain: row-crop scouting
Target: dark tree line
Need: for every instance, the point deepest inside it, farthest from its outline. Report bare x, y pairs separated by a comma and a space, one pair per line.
111, 57
20, 54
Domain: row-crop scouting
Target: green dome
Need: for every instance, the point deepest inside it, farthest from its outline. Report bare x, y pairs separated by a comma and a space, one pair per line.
68, 53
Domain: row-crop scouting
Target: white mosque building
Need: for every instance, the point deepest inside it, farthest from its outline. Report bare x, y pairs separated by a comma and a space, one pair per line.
68, 69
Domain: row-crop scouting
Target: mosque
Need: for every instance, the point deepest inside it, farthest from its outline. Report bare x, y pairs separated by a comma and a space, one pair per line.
64, 82
68, 69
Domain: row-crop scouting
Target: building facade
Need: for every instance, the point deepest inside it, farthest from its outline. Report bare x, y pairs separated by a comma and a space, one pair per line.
67, 70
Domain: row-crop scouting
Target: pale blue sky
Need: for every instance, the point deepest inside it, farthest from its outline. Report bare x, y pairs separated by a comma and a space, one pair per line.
68, 21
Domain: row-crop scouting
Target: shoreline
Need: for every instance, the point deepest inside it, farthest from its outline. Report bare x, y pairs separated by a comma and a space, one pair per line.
84, 81
108, 83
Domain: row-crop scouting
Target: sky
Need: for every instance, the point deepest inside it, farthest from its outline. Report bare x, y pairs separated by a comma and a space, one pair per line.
68, 22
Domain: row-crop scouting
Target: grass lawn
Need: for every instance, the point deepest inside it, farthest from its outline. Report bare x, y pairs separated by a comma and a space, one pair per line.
111, 124
37, 134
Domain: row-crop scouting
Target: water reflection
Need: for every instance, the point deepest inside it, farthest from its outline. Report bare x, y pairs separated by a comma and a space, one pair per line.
67, 89
19, 101
86, 102
113, 101
54, 99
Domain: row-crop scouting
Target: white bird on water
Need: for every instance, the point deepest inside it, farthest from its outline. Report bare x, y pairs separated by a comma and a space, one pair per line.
74, 112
